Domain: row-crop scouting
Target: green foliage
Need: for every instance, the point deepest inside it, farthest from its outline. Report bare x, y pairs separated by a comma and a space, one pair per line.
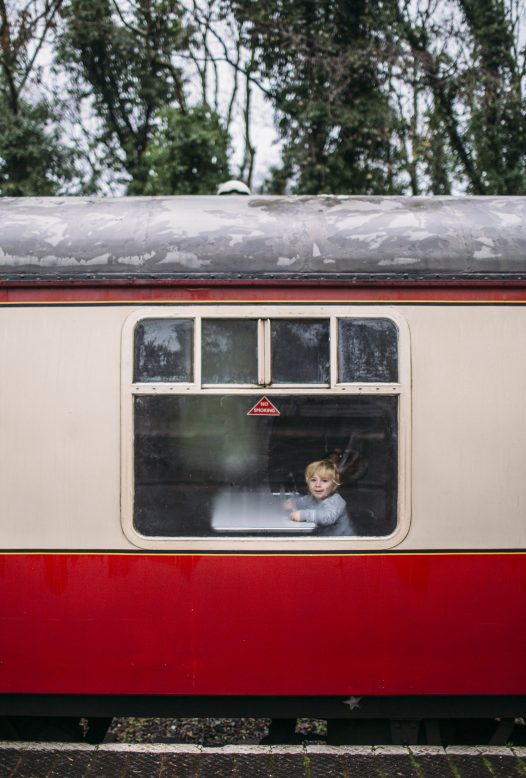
321, 62
493, 96
124, 64
188, 153
376, 97
438, 161
471, 68
369, 96
33, 161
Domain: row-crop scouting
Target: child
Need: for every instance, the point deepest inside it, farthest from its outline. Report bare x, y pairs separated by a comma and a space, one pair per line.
323, 505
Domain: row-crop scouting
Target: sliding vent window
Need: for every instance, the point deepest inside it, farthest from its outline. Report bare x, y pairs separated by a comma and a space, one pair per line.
229, 351
163, 350
300, 351
367, 351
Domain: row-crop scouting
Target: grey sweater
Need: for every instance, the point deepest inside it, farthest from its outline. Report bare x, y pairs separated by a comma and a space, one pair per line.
330, 515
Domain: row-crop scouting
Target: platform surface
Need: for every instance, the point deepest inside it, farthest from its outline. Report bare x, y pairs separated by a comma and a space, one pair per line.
56, 760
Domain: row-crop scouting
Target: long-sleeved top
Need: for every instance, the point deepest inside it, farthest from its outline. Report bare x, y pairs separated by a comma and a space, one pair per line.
329, 515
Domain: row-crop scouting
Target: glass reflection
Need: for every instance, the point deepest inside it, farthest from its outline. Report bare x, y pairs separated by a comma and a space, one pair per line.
367, 351
203, 467
229, 351
300, 351
163, 350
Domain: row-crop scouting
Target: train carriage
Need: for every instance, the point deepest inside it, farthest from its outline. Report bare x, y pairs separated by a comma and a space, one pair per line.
169, 366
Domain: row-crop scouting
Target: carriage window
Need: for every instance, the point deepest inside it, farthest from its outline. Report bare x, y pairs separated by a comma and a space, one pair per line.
300, 352
229, 351
226, 412
368, 350
205, 466
163, 350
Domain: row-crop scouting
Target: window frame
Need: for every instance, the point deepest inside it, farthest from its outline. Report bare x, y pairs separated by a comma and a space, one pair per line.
262, 312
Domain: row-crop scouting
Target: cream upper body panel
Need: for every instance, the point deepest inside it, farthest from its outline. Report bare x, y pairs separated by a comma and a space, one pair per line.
60, 427
468, 427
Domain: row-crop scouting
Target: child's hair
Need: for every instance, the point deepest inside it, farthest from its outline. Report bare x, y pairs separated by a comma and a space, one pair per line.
325, 467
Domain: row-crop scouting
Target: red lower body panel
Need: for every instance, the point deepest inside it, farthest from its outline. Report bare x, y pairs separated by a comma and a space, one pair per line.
372, 624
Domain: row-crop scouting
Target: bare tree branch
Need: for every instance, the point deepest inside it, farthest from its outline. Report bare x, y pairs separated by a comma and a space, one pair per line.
443, 96
154, 56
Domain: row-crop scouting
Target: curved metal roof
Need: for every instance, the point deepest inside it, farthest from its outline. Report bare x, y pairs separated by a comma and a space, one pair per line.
258, 237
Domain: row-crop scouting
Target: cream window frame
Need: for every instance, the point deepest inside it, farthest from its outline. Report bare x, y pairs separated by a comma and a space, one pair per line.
264, 312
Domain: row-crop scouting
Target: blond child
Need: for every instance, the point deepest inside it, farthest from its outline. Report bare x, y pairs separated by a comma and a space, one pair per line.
324, 506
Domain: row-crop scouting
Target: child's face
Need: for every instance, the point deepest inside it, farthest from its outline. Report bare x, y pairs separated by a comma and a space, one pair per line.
320, 485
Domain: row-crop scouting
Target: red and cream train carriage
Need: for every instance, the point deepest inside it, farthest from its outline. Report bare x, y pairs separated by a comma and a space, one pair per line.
169, 367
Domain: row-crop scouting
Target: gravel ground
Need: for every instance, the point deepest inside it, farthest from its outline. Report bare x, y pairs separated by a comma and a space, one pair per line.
206, 732
223, 732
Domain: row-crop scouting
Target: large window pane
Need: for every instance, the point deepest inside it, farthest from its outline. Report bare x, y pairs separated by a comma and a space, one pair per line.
367, 351
202, 462
229, 351
300, 351
163, 350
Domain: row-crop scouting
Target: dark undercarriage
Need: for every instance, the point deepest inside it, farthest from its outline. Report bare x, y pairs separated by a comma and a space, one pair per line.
403, 720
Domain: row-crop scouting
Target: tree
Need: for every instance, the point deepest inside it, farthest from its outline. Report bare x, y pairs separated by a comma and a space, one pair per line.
384, 97
320, 64
33, 159
120, 55
369, 96
471, 71
220, 40
188, 153
497, 123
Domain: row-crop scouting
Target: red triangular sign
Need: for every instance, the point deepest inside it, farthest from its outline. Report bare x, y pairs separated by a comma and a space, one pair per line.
263, 407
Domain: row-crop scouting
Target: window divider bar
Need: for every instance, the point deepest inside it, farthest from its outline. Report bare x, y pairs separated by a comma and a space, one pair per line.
143, 389
268, 352
264, 352
261, 352
198, 348
333, 351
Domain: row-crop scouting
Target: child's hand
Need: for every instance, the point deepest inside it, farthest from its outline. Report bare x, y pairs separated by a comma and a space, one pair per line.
295, 516
288, 505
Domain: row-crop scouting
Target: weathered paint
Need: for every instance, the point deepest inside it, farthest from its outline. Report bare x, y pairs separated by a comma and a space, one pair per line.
261, 237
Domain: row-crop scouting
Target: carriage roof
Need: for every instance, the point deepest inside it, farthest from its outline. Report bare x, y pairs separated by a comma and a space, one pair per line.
262, 238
